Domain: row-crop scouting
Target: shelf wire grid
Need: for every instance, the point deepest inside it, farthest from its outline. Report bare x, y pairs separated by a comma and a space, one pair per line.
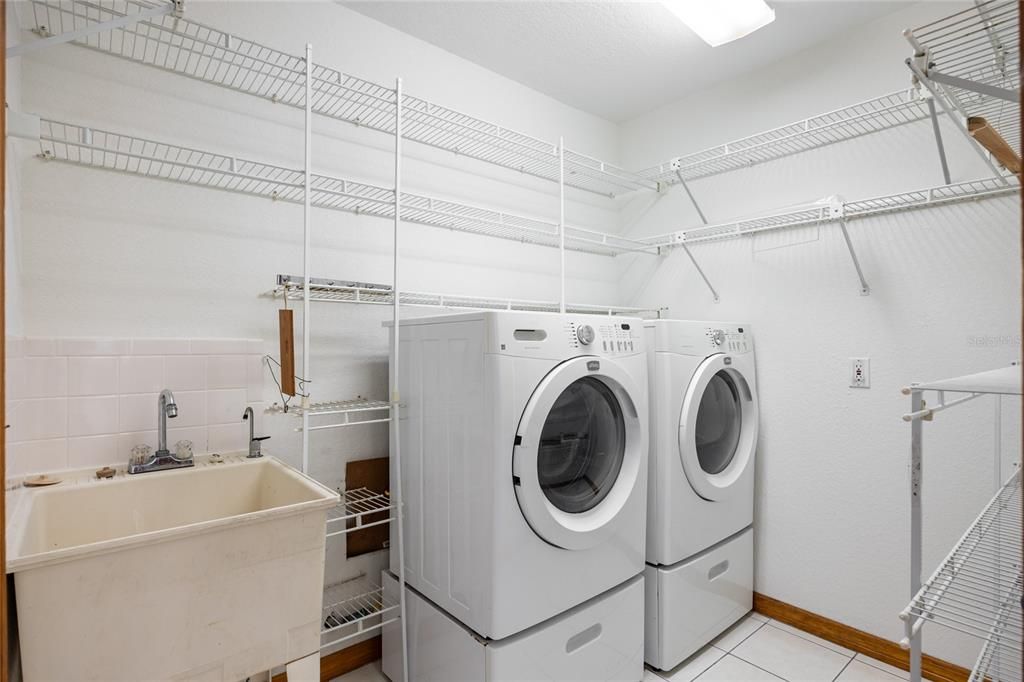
340, 291
188, 48
95, 148
978, 44
351, 610
355, 510
977, 589
863, 118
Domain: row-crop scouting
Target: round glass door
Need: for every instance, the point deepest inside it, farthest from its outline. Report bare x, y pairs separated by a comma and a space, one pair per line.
719, 421
582, 446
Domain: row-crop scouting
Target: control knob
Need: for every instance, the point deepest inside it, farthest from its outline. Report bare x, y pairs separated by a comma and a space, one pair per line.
717, 337
585, 334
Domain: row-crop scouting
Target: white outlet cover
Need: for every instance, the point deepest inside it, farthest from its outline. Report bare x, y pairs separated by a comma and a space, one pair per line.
860, 372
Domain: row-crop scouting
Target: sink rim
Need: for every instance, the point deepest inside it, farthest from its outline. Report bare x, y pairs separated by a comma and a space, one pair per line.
18, 517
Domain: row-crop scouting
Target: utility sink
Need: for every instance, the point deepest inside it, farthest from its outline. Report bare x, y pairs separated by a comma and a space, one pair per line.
209, 573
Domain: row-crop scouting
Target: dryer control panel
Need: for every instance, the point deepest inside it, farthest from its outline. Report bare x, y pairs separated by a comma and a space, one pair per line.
604, 336
728, 339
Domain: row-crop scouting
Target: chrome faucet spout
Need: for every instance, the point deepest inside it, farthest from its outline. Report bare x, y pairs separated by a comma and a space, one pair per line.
165, 408
254, 441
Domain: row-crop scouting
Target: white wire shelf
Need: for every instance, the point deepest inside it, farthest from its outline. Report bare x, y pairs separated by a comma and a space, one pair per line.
977, 588
359, 508
997, 663
353, 609
836, 210
188, 48
970, 56
83, 146
873, 115
355, 412
341, 291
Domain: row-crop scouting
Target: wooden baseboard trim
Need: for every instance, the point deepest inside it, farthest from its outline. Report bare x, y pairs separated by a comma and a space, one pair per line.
346, 660
862, 642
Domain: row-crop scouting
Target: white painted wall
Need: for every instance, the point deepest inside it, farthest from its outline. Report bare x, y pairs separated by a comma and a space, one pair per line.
832, 514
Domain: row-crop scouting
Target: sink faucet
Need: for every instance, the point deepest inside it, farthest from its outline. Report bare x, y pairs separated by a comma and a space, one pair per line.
254, 441
162, 459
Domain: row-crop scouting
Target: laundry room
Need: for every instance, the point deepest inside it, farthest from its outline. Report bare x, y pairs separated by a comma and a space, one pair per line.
512, 340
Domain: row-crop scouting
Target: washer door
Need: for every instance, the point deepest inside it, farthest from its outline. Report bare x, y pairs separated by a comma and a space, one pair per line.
717, 428
578, 452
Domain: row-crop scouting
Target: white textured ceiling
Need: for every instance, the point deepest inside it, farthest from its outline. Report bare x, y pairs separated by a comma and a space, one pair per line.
613, 59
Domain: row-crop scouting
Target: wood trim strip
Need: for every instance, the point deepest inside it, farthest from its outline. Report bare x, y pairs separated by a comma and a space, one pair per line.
346, 660
5, 662
862, 642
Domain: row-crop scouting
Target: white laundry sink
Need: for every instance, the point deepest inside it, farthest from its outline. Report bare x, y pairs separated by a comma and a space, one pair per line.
211, 573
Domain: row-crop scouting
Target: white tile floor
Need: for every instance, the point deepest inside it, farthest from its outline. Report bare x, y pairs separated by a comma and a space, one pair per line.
756, 648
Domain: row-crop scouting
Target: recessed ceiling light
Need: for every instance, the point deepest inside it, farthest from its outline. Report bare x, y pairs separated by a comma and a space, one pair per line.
721, 21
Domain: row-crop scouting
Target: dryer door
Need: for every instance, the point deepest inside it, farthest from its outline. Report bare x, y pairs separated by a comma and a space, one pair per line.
578, 452
718, 428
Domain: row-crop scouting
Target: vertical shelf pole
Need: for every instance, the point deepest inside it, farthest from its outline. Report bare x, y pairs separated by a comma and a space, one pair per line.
396, 449
561, 220
306, 219
916, 425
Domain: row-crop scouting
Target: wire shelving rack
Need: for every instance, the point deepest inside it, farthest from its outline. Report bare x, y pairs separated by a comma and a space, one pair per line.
359, 508
354, 609
977, 588
354, 412
188, 48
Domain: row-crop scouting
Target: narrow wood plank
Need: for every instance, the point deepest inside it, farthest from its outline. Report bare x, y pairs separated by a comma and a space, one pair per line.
862, 642
286, 334
989, 138
346, 660
4, 641
374, 475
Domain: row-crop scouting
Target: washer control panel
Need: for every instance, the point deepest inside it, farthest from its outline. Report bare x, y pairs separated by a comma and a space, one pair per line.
728, 339
604, 338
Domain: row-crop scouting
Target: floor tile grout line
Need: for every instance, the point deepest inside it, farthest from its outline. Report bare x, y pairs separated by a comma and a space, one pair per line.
797, 632
752, 632
848, 663
738, 658
867, 660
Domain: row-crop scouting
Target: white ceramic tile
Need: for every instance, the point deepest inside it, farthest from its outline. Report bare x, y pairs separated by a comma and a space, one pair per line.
898, 672
127, 441
759, 616
39, 419
255, 347
789, 656
141, 374
137, 412
160, 346
254, 376
14, 378
219, 346
862, 672
226, 371
92, 451
92, 376
225, 407
93, 415
196, 434
46, 377
225, 438
813, 638
14, 347
692, 667
185, 372
731, 669
93, 346
191, 409
368, 673
40, 346
36, 457
743, 628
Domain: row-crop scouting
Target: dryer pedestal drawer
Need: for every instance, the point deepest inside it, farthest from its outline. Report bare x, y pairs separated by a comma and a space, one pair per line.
689, 604
601, 639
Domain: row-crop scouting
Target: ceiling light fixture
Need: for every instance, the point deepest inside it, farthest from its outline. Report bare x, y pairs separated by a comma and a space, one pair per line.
721, 21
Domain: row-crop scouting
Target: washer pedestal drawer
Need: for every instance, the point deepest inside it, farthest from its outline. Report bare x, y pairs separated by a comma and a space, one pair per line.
690, 603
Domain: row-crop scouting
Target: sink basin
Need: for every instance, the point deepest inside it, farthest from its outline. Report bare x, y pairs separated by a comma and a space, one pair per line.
210, 573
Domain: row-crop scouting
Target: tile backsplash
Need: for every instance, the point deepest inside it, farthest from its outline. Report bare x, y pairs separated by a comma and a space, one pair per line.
74, 403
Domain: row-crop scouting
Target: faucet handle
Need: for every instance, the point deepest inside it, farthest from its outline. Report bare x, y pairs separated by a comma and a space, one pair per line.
254, 445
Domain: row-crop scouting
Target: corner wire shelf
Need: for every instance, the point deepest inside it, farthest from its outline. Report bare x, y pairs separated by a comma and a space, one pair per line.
863, 118
84, 146
341, 291
972, 56
360, 508
977, 588
354, 609
355, 412
836, 210
188, 48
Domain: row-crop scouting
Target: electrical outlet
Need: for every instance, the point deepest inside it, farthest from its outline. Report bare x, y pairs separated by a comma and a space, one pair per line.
860, 372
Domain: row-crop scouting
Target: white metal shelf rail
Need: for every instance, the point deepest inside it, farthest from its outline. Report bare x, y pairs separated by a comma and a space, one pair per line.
188, 48
355, 412
350, 611
343, 291
976, 589
970, 62
360, 508
134, 155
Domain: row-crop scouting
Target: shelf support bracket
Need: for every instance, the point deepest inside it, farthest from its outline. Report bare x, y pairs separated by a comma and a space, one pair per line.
938, 139
975, 86
700, 271
85, 32
865, 290
679, 174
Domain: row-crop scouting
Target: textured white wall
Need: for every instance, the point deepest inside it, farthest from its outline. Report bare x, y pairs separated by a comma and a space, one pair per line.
832, 514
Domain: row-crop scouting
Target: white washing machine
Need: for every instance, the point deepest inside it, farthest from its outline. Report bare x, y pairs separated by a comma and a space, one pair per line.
524, 454
704, 422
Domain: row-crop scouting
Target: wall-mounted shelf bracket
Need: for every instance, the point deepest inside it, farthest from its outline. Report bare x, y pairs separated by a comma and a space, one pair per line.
934, 116
837, 213
700, 271
677, 166
50, 39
